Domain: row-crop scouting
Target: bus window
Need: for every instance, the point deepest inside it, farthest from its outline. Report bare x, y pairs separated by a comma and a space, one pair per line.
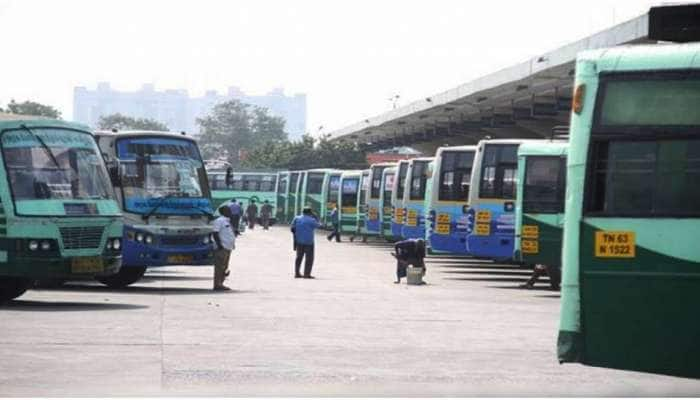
237, 182
314, 183
388, 185
545, 184
251, 183
498, 171
646, 178
333, 185
350, 192
376, 182
455, 175
418, 180
293, 183
267, 184
365, 189
282, 188
403, 169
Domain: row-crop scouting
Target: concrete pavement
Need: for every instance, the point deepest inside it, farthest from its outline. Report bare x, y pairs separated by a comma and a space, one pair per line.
349, 332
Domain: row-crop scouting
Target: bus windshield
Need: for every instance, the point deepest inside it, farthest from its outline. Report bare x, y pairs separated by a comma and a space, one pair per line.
388, 186
350, 192
455, 175
314, 183
403, 169
158, 168
498, 171
418, 180
54, 163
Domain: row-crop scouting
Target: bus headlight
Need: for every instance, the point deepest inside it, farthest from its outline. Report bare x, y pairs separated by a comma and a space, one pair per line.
205, 239
117, 244
149, 239
33, 245
139, 237
45, 245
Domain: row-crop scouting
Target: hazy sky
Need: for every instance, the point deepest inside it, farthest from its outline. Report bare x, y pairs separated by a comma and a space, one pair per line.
348, 56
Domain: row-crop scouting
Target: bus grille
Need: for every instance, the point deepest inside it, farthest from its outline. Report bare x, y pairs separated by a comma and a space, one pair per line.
88, 237
179, 240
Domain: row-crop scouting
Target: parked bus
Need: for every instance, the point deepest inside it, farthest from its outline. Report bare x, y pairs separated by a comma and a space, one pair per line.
491, 213
631, 254
414, 197
313, 192
349, 202
162, 185
539, 206
373, 226
365, 184
299, 194
386, 210
59, 218
290, 212
244, 187
282, 195
426, 203
448, 199
331, 193
398, 217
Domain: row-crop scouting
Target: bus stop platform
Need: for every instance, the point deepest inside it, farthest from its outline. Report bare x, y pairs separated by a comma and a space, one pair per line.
469, 332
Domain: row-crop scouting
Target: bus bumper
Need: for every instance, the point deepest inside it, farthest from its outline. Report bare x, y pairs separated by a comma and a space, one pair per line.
37, 267
137, 254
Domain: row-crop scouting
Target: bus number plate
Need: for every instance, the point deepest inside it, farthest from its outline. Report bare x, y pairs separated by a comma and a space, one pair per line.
86, 265
483, 216
349, 210
531, 232
179, 259
443, 229
530, 246
615, 244
443, 218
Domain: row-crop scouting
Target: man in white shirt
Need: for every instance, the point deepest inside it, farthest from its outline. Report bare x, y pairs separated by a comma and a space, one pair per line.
225, 240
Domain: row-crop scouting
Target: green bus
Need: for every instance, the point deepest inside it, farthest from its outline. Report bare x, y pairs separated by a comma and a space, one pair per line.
332, 193
290, 206
59, 218
385, 209
244, 187
320, 192
539, 205
365, 182
282, 195
631, 259
349, 202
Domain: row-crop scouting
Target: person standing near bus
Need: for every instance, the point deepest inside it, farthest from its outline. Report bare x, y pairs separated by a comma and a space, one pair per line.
336, 225
236, 211
251, 214
303, 227
225, 240
266, 214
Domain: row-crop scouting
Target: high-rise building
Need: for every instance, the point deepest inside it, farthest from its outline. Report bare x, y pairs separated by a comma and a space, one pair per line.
179, 111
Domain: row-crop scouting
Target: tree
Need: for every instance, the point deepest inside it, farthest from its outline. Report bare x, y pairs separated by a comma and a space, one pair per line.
233, 129
306, 154
33, 108
122, 122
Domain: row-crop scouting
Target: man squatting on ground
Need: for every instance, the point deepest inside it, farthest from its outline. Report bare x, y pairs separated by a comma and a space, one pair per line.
408, 252
225, 240
303, 227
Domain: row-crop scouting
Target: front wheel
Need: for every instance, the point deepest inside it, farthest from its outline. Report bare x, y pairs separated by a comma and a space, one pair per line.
12, 288
125, 277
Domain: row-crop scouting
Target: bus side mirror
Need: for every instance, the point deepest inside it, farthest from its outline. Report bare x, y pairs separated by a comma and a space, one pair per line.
229, 176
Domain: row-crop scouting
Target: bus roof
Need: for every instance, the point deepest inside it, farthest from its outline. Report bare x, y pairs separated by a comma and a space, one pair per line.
456, 148
383, 164
13, 121
135, 133
351, 173
554, 148
644, 57
428, 159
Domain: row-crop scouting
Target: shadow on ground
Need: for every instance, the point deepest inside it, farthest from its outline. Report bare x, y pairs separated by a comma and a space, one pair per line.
153, 290
49, 306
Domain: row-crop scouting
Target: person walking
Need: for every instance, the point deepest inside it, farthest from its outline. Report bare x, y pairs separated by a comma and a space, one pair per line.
225, 240
303, 227
251, 214
266, 214
336, 225
236, 211
408, 252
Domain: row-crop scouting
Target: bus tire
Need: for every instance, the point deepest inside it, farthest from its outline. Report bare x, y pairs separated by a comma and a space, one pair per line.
125, 277
12, 288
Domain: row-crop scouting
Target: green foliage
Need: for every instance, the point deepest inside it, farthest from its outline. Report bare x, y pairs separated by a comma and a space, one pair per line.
234, 129
306, 154
32, 108
124, 122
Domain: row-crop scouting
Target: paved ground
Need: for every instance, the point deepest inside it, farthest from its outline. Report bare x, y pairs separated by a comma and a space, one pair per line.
351, 332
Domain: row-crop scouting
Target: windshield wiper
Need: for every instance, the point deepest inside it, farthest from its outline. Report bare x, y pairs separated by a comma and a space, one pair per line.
43, 145
160, 203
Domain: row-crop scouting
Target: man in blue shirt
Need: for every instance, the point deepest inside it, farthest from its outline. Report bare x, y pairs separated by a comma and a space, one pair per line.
236, 211
303, 227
